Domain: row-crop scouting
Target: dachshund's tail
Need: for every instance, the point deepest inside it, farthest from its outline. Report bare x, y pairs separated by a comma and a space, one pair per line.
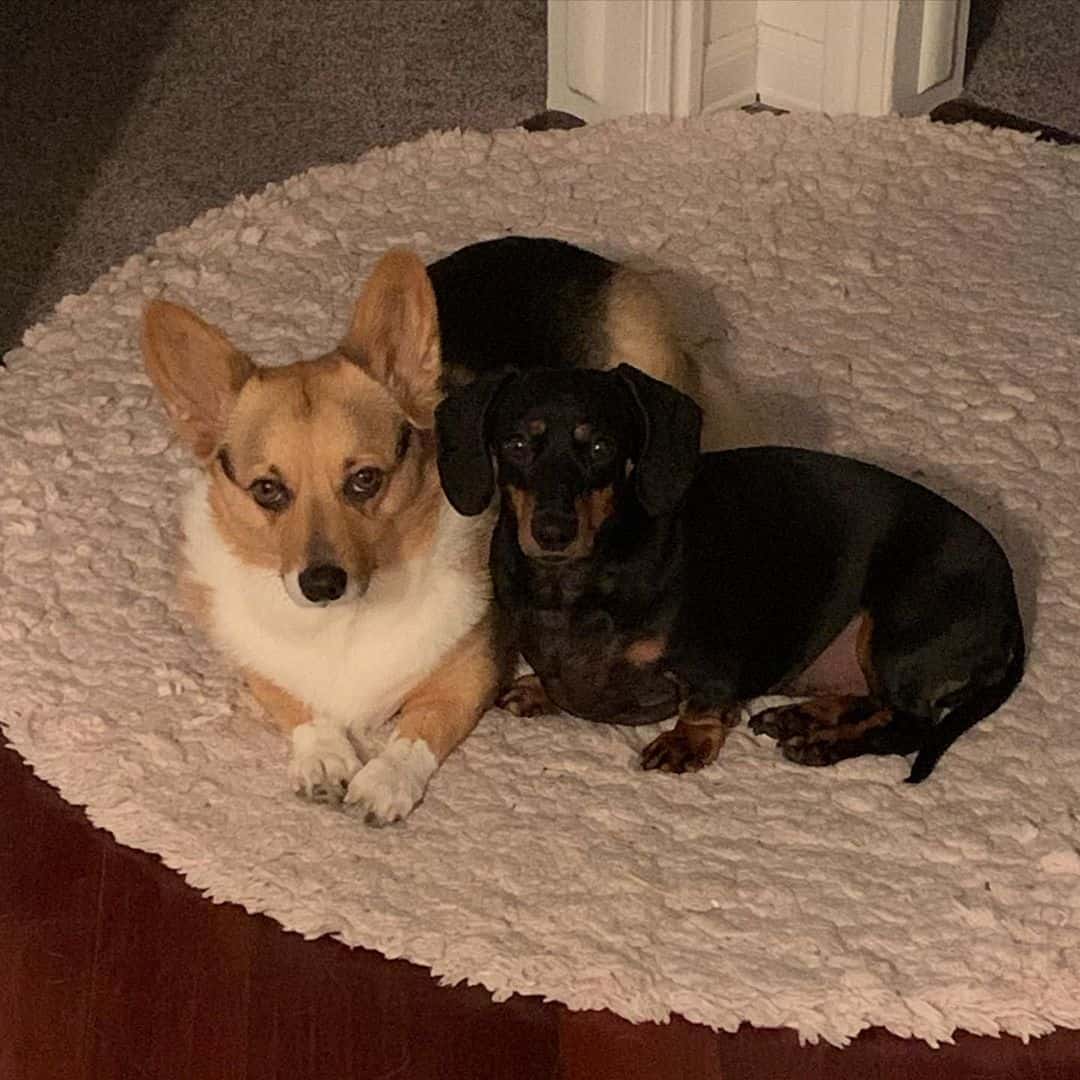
969, 712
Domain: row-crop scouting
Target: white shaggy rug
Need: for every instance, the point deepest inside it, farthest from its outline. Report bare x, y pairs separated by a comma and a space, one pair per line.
901, 291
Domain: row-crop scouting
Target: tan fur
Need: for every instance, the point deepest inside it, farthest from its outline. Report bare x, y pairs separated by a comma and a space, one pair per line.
395, 334
830, 723
526, 697
694, 742
823, 711
523, 503
593, 509
827, 719
284, 709
864, 653
444, 708
645, 652
197, 371
640, 333
639, 329
309, 424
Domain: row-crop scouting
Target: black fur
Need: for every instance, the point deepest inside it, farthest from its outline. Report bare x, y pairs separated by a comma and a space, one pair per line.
520, 301
670, 441
465, 466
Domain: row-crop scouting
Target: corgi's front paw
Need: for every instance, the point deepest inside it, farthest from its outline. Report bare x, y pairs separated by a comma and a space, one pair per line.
388, 787
322, 764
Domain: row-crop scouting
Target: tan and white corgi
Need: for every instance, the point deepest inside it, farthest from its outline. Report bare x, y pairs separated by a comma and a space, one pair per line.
318, 549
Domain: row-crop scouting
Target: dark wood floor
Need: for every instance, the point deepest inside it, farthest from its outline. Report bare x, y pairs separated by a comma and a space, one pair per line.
112, 968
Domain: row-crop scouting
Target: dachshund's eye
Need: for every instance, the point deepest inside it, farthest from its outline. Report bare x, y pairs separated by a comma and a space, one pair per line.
601, 448
363, 484
515, 445
270, 493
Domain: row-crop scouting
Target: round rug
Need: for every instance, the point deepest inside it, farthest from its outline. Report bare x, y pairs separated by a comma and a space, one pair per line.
897, 290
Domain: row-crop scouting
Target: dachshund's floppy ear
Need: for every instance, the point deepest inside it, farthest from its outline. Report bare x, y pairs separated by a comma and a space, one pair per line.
671, 426
465, 466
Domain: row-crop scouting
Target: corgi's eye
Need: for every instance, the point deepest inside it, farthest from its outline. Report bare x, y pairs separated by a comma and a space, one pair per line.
269, 493
363, 484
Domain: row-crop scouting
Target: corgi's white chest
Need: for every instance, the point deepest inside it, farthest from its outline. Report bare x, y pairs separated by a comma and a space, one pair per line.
353, 663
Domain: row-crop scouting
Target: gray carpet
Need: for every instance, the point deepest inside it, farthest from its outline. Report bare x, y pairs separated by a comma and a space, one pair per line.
1024, 58
123, 118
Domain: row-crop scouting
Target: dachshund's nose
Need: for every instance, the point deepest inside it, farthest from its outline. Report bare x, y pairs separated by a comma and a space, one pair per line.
554, 530
323, 583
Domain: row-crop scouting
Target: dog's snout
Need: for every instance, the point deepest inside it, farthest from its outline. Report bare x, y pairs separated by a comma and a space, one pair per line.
554, 530
323, 583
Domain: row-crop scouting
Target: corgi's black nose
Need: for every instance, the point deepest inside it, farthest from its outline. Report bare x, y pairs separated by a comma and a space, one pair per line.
323, 583
553, 530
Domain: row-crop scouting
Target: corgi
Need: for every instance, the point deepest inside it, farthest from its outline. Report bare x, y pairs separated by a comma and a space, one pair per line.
318, 549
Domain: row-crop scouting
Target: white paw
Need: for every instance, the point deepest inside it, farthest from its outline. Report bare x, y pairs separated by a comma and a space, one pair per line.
323, 762
388, 787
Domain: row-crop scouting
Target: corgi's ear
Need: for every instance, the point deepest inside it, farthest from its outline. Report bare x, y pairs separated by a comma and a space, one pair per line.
395, 334
197, 371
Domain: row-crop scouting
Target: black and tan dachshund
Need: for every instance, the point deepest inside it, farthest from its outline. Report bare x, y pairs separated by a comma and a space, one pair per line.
643, 580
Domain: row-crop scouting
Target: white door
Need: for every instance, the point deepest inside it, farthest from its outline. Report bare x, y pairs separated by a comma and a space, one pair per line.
611, 58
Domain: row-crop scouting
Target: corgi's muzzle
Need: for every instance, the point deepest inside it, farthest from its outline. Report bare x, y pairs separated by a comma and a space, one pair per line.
322, 584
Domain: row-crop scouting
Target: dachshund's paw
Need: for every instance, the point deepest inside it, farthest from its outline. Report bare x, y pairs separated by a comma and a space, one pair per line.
808, 750
676, 752
826, 730
783, 722
526, 697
